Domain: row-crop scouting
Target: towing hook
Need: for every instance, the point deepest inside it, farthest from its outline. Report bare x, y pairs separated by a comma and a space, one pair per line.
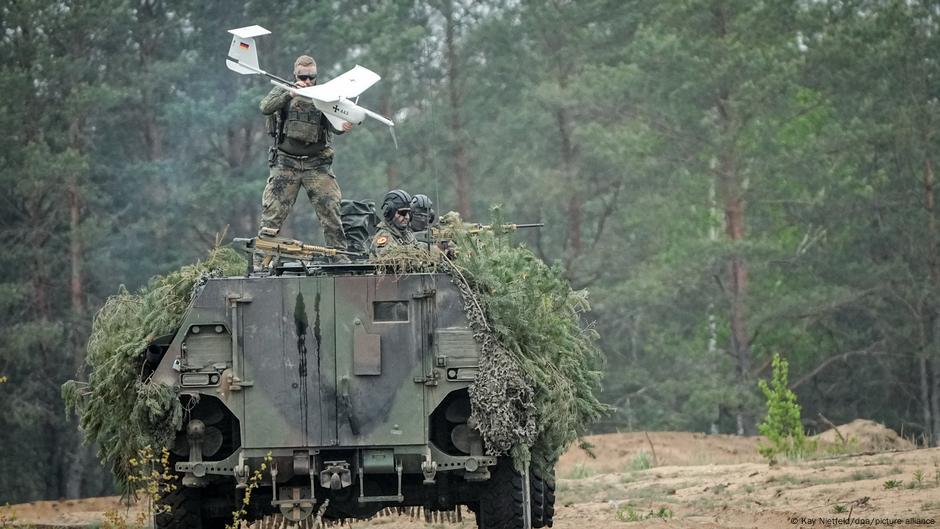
429, 469
336, 475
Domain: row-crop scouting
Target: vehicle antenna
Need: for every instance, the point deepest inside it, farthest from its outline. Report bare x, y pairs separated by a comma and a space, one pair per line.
434, 161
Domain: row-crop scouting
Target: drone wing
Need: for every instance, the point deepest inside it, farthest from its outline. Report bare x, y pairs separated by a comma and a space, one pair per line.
347, 86
243, 53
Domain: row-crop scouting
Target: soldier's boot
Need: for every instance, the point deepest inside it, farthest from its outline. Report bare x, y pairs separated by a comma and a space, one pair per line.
260, 263
268, 232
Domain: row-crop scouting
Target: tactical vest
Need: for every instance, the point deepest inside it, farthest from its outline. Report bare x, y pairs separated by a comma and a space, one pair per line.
304, 123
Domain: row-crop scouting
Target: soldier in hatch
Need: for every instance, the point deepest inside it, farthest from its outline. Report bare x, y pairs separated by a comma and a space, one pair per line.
423, 216
423, 221
393, 230
302, 156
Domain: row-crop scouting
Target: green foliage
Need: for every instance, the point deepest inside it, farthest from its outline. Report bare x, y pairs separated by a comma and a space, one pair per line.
580, 471
893, 484
117, 410
535, 315
641, 461
151, 480
782, 425
627, 513
859, 475
847, 446
254, 482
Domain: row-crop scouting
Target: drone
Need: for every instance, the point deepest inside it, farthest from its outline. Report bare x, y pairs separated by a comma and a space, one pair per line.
337, 99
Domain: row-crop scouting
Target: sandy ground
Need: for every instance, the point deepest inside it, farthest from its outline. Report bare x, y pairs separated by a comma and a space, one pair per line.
694, 481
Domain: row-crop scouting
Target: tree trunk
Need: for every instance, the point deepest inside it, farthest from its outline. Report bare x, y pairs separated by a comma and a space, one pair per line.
935, 398
461, 177
925, 394
148, 18
731, 191
557, 48
153, 136
76, 280
573, 245
929, 376
932, 261
77, 463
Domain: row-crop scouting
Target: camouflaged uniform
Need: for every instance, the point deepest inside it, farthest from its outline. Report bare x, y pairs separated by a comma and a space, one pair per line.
388, 236
303, 158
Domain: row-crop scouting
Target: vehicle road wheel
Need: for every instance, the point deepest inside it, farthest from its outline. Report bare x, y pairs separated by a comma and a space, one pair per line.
542, 488
501, 498
184, 510
192, 508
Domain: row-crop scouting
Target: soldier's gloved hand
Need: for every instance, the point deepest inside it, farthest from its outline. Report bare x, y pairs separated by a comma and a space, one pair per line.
449, 248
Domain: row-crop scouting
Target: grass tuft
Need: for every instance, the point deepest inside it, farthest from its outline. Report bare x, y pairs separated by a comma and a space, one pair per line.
641, 461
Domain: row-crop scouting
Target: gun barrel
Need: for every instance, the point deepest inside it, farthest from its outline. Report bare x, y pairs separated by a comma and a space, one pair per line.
473, 228
292, 247
326, 250
511, 226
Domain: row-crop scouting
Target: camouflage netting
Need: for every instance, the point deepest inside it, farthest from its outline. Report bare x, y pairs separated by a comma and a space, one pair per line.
502, 398
408, 259
115, 409
539, 370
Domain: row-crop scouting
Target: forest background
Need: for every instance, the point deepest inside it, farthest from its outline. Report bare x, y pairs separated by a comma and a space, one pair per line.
729, 178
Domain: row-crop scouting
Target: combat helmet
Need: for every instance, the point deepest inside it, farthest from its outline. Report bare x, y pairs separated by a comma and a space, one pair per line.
422, 213
395, 200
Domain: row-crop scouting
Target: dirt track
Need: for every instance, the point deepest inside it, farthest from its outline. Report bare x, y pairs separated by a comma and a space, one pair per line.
695, 481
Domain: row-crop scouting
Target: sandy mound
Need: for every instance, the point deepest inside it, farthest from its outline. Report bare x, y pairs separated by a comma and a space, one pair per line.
622, 452
864, 436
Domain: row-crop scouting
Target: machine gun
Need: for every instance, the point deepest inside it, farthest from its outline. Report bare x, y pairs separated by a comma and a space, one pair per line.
447, 231
272, 247
444, 233
477, 228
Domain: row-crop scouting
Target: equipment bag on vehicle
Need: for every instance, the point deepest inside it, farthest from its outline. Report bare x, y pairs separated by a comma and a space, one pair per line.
359, 223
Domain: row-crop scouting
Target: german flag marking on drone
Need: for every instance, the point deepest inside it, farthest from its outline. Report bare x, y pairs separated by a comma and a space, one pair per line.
243, 45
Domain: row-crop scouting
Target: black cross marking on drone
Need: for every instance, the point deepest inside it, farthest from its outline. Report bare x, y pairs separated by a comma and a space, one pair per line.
335, 108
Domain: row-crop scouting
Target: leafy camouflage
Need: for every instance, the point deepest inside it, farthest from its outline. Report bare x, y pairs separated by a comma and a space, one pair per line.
116, 410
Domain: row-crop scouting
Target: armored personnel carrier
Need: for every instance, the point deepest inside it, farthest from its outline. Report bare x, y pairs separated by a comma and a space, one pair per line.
353, 384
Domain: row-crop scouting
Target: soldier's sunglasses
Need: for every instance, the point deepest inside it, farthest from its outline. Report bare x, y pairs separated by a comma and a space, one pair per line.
403, 212
307, 77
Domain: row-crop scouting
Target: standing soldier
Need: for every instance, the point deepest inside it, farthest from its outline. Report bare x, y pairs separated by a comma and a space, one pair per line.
302, 155
393, 230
